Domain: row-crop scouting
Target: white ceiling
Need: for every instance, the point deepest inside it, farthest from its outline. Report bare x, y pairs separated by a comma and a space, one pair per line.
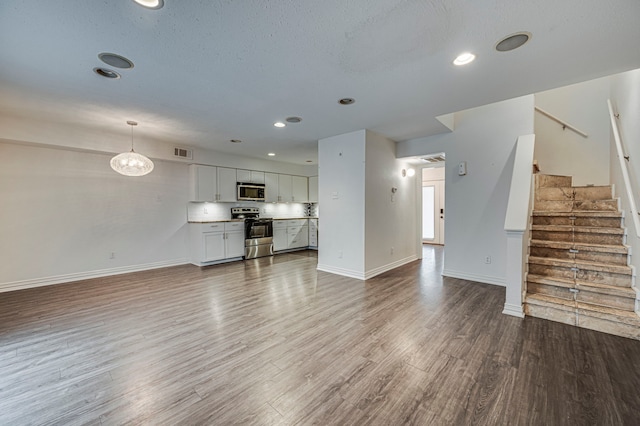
210, 71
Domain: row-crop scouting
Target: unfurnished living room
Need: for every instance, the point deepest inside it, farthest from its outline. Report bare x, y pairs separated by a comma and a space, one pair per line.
215, 212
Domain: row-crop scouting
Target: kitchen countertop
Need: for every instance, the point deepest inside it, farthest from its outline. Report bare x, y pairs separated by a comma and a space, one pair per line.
241, 220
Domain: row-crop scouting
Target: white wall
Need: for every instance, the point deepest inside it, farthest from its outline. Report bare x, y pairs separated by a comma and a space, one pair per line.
625, 97
76, 137
390, 223
64, 212
564, 152
476, 204
341, 183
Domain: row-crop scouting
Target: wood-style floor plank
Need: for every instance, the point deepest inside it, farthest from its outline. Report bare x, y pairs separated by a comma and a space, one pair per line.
272, 341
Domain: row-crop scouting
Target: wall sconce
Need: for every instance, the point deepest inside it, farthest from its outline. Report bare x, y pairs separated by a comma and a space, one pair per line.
409, 172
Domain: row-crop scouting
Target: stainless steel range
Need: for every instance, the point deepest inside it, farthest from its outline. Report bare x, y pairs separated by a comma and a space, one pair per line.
258, 232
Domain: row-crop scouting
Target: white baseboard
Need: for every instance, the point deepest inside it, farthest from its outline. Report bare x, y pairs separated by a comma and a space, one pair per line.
393, 265
341, 271
486, 279
59, 279
513, 310
367, 274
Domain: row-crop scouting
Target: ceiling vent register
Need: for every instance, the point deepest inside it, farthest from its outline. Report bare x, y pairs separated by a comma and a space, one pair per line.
183, 153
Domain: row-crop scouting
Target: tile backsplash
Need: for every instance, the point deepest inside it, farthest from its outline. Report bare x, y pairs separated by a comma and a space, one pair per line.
198, 211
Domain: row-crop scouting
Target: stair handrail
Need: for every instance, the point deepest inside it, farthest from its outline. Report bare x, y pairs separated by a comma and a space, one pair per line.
623, 159
563, 123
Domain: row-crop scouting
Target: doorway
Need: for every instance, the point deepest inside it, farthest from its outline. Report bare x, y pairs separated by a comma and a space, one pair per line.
433, 213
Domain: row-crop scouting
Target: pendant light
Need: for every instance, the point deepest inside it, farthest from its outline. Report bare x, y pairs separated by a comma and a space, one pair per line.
131, 163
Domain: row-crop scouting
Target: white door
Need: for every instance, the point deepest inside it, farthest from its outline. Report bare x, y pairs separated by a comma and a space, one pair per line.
433, 212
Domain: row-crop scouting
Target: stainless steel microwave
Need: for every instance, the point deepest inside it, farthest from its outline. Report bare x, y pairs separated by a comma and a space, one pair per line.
250, 191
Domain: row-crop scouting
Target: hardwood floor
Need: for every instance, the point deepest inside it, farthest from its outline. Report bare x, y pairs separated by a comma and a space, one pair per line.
273, 341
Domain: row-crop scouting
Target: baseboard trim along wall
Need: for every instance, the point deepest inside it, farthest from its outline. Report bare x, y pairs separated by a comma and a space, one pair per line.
486, 279
367, 274
59, 279
513, 310
393, 265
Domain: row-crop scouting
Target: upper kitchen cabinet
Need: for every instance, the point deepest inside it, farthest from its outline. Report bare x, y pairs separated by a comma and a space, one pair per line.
227, 190
313, 189
285, 188
204, 183
271, 187
299, 193
212, 183
251, 176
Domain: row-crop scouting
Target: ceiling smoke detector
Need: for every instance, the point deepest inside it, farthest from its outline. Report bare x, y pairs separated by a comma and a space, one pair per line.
293, 119
115, 60
346, 101
106, 73
513, 41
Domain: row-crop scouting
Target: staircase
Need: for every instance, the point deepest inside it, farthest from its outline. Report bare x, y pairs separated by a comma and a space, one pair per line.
578, 266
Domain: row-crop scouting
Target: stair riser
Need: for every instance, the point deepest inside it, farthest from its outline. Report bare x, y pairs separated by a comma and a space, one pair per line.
589, 256
553, 206
609, 278
549, 290
610, 327
578, 237
593, 193
603, 222
547, 181
554, 194
606, 205
618, 302
557, 315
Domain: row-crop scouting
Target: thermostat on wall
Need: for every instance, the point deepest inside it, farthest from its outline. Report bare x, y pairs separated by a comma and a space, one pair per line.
462, 168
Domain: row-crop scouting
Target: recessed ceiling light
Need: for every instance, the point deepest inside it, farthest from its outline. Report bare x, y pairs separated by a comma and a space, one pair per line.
271, 154
235, 141
279, 124
293, 119
346, 101
115, 60
464, 58
107, 73
150, 4
513, 41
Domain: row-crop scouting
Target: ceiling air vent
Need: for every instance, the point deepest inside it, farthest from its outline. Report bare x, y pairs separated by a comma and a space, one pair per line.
183, 153
436, 158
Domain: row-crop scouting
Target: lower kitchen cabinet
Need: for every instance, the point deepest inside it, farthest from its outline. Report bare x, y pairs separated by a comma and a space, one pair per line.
290, 234
280, 237
216, 242
313, 234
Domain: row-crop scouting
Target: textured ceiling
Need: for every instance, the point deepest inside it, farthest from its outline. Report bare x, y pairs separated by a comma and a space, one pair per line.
209, 71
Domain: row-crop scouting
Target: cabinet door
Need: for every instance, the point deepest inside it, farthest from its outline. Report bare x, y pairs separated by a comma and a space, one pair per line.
227, 184
257, 177
298, 236
299, 192
203, 183
213, 246
271, 187
280, 241
243, 175
285, 188
234, 244
313, 189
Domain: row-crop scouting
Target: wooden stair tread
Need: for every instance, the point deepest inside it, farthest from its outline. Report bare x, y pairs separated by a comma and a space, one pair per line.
588, 286
581, 264
581, 213
601, 248
587, 309
582, 229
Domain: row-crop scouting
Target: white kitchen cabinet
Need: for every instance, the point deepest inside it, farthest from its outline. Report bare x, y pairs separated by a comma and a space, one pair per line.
285, 188
233, 239
280, 241
227, 184
251, 176
271, 187
299, 190
212, 183
297, 236
313, 233
216, 242
204, 186
313, 189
